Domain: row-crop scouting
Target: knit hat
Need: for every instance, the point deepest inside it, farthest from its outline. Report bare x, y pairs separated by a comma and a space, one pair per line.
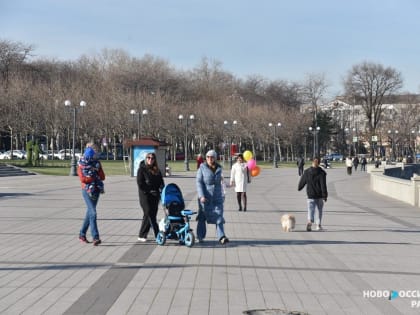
89, 153
212, 153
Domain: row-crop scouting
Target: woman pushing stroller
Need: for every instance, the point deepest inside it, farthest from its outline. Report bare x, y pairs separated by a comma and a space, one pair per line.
210, 195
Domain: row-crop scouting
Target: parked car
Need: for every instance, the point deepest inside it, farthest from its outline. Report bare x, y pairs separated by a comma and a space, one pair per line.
105, 156
49, 155
66, 154
179, 156
17, 154
335, 157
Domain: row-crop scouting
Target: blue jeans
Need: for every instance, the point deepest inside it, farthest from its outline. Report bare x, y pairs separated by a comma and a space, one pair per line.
90, 218
312, 204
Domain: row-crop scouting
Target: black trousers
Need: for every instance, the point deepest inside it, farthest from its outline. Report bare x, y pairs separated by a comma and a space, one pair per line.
150, 205
300, 170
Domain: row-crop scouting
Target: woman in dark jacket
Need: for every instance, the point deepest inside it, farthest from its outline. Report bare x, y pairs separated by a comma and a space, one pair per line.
150, 184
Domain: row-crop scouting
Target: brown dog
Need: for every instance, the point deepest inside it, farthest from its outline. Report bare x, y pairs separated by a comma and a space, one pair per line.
288, 222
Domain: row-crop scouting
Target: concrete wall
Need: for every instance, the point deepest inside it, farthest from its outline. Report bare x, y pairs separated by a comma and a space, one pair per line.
405, 190
404, 171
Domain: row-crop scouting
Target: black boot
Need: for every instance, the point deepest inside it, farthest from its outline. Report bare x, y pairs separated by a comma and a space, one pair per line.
238, 198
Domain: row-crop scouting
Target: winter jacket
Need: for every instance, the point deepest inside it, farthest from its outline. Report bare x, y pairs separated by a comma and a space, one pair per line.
300, 162
209, 186
315, 180
356, 161
149, 183
90, 172
239, 176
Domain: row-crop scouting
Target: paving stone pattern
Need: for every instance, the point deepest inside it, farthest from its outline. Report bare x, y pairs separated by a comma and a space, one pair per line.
371, 243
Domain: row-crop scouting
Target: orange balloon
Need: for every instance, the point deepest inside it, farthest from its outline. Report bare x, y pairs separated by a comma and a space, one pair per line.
255, 171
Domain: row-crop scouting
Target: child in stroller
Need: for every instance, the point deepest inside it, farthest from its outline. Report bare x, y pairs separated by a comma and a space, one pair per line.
176, 223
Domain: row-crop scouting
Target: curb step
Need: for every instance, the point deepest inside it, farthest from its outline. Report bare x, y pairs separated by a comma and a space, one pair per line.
10, 170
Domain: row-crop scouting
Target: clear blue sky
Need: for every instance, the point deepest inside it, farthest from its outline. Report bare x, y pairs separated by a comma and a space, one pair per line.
276, 39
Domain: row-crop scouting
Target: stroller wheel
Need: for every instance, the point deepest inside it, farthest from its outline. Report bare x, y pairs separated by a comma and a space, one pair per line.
189, 239
161, 238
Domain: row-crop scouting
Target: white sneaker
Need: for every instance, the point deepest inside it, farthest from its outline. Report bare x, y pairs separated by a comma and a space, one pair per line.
318, 227
141, 239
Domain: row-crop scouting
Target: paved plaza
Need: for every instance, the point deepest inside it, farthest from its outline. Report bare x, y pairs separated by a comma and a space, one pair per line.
370, 249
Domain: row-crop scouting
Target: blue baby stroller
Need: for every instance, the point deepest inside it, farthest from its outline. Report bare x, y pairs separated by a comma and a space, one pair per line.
176, 224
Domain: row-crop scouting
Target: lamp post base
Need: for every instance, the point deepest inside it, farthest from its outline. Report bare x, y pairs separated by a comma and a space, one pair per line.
187, 166
73, 171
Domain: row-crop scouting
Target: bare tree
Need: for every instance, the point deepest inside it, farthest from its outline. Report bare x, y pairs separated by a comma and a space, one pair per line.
113, 83
12, 54
314, 89
285, 94
371, 84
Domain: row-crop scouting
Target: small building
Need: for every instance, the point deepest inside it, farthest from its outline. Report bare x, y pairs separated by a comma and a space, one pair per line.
138, 149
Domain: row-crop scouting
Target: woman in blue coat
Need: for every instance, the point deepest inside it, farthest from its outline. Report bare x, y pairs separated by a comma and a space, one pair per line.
209, 182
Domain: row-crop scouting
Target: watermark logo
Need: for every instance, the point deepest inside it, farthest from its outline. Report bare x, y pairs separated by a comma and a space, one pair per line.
393, 294
414, 295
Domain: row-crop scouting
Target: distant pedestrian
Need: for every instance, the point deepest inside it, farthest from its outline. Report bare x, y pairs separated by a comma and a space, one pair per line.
199, 160
91, 176
240, 178
355, 163
363, 163
326, 163
315, 180
377, 163
300, 164
349, 165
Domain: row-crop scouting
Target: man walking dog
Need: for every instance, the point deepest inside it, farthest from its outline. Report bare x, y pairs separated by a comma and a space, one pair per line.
315, 180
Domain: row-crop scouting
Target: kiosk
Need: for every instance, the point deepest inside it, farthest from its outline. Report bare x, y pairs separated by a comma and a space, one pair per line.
140, 147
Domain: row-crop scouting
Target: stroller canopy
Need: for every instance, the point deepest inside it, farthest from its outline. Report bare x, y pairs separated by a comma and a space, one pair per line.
171, 197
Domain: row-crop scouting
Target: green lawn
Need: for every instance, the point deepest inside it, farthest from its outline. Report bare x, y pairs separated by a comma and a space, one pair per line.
62, 168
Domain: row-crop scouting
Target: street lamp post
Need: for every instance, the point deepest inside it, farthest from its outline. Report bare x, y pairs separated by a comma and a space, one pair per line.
392, 134
355, 141
226, 124
414, 149
139, 119
67, 103
187, 123
348, 140
315, 131
415, 145
275, 165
